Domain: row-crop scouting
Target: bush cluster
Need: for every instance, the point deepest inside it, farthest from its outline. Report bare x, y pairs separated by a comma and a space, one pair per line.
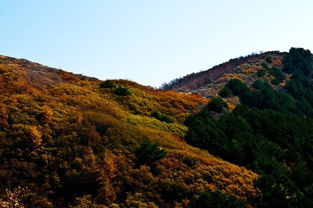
161, 117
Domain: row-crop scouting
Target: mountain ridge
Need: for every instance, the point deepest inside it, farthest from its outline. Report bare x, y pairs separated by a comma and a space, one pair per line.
194, 81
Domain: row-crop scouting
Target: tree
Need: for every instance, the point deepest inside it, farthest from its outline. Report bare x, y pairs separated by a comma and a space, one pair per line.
298, 61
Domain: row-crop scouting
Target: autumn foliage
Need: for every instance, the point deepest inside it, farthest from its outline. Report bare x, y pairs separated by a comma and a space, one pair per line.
68, 141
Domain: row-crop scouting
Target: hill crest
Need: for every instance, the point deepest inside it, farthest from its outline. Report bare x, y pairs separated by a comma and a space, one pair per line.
201, 81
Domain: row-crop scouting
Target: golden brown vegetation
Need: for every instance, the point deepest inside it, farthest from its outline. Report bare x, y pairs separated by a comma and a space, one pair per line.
70, 143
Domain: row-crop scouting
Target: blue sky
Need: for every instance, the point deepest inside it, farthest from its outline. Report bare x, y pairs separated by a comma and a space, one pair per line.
148, 41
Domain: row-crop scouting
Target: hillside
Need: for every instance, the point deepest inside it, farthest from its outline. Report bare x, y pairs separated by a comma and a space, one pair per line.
209, 82
69, 140
261, 117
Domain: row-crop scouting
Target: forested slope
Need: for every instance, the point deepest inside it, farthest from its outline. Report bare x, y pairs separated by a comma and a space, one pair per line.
270, 131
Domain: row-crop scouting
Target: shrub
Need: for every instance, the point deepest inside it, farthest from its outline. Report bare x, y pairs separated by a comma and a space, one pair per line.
84, 202
275, 81
106, 84
258, 84
216, 105
265, 65
225, 92
269, 59
261, 73
122, 91
277, 73
215, 200
161, 117
149, 152
237, 87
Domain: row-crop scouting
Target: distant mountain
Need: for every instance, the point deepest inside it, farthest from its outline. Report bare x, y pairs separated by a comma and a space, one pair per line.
69, 140
207, 83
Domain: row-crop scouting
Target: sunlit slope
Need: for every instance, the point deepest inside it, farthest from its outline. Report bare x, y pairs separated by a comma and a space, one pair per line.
67, 141
247, 69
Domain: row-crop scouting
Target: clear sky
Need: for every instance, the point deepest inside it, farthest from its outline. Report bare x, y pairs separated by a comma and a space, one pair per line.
149, 41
